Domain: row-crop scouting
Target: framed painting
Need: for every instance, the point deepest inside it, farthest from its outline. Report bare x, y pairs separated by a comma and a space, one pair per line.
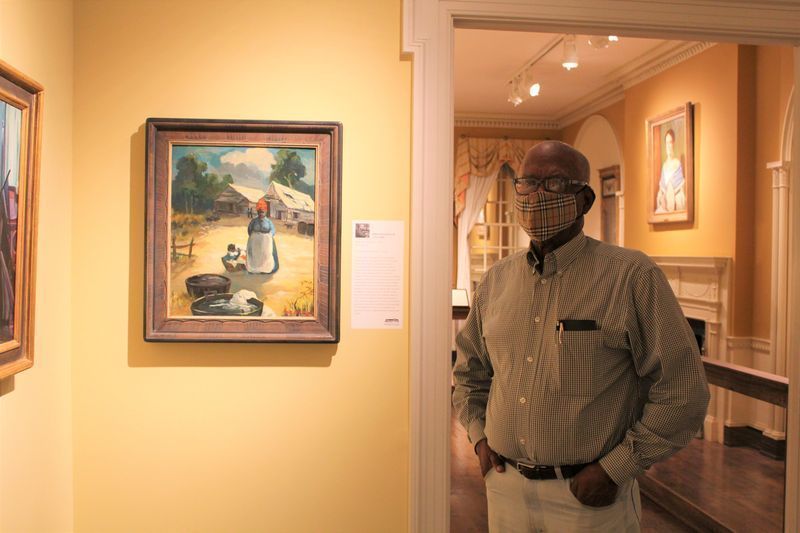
671, 171
20, 141
243, 231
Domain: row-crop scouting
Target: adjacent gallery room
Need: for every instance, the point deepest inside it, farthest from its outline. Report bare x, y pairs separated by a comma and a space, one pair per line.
688, 160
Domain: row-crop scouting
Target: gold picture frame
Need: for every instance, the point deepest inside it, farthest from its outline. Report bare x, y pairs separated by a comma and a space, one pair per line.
670, 141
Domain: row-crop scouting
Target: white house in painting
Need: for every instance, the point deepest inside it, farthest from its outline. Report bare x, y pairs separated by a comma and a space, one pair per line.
291, 206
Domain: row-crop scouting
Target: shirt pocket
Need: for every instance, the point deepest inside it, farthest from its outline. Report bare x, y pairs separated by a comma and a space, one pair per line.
577, 352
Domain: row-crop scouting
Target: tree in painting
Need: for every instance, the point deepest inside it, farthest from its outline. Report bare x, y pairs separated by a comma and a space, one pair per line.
289, 170
194, 188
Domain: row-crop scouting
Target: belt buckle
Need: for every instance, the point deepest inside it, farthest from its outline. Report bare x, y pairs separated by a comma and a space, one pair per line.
520, 465
535, 471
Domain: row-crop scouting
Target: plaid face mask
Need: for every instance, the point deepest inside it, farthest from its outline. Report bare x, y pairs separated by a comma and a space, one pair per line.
542, 214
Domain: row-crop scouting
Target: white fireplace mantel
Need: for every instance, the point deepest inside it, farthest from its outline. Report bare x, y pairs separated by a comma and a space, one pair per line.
701, 285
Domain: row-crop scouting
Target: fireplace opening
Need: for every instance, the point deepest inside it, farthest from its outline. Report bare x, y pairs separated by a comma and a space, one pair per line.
699, 330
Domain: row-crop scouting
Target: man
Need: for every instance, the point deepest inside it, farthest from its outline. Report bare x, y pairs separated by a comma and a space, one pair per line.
576, 368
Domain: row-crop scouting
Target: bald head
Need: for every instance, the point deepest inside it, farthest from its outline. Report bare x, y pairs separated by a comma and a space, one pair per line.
554, 158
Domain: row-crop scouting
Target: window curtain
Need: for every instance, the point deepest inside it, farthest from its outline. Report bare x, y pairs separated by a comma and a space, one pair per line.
478, 162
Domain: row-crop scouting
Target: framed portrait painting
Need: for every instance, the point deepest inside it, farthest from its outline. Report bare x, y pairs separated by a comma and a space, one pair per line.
671, 169
20, 139
243, 231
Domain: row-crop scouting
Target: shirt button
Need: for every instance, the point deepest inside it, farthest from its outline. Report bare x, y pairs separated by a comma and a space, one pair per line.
522, 400
522, 440
560, 273
543, 281
530, 359
536, 319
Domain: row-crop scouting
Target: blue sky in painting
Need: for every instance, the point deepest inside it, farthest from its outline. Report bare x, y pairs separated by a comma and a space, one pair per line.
10, 127
249, 166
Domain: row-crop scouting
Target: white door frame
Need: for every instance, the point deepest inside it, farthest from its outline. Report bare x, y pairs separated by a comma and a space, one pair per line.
428, 35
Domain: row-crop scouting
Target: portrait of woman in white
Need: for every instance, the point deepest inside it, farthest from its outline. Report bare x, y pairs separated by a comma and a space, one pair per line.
672, 183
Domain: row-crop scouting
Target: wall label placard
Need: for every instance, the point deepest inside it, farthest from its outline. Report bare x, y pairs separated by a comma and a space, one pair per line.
377, 279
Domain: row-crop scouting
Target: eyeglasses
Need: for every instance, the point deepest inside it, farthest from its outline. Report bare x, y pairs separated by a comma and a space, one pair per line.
528, 184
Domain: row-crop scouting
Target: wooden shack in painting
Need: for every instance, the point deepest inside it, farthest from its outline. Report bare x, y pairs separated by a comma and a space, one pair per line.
292, 207
238, 200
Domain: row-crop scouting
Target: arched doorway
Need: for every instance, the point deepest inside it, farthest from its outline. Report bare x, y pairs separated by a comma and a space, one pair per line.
598, 142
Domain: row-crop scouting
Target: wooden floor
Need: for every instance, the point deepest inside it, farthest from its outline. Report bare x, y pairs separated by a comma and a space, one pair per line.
739, 486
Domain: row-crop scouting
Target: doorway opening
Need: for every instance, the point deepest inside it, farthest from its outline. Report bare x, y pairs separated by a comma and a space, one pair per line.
427, 34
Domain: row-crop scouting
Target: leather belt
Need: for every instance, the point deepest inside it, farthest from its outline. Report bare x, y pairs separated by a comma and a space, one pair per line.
545, 471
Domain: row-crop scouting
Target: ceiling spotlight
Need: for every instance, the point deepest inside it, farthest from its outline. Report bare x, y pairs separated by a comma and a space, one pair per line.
598, 41
534, 90
601, 41
515, 92
570, 60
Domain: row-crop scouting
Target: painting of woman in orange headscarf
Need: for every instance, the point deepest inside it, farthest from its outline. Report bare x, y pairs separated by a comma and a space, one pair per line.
262, 252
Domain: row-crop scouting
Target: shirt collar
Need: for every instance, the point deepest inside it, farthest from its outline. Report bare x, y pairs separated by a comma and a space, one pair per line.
560, 258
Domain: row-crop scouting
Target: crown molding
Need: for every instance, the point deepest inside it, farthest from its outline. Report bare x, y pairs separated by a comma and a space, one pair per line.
504, 121
742, 21
658, 61
646, 66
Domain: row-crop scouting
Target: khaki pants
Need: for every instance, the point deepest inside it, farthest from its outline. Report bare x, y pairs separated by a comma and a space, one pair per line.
520, 505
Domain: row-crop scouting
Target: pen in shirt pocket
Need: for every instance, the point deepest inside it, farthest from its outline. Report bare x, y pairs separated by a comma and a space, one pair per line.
574, 325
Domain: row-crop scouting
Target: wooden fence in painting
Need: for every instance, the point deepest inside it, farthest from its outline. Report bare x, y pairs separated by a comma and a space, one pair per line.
176, 247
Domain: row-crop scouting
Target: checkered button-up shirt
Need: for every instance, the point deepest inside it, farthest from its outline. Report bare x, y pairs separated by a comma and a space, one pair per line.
590, 360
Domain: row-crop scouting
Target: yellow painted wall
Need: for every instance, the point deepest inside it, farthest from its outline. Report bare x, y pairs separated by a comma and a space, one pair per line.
708, 80
226, 437
774, 80
35, 413
744, 260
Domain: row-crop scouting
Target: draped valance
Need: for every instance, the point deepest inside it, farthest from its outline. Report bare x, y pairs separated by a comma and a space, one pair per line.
483, 157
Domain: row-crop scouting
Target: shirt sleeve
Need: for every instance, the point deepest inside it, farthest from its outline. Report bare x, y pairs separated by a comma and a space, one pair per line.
665, 354
472, 375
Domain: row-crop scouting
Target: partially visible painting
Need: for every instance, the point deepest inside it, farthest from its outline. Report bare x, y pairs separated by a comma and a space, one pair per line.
671, 151
243, 231
20, 133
